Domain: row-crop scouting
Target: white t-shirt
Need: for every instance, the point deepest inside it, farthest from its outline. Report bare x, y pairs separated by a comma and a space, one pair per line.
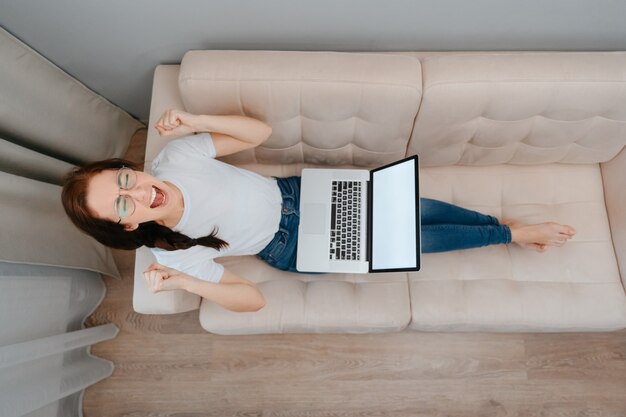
243, 206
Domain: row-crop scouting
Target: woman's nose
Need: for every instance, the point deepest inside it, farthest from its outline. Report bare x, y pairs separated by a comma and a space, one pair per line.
139, 194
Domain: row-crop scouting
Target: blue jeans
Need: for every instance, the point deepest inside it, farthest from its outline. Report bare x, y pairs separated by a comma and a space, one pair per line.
445, 227
281, 251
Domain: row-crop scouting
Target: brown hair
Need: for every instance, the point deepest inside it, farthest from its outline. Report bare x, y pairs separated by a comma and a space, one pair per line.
151, 234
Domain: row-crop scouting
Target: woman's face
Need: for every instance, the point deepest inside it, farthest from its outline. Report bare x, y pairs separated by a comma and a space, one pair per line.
153, 200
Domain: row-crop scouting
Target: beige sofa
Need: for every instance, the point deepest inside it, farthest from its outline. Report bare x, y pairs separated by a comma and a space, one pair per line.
531, 136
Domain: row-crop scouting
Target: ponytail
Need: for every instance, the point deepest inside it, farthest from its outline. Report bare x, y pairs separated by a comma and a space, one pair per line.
163, 237
114, 235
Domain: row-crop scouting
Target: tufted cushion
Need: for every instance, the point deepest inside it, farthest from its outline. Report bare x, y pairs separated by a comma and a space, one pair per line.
505, 287
311, 303
531, 108
324, 107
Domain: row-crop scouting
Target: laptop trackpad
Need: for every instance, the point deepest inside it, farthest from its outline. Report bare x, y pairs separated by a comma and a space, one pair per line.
313, 219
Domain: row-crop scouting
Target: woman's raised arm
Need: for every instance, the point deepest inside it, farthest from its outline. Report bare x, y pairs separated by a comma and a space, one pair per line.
230, 133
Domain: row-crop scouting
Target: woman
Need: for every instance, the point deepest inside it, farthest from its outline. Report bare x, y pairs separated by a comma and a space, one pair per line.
196, 208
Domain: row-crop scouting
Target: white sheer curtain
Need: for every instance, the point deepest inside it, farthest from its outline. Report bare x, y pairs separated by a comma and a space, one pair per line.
45, 362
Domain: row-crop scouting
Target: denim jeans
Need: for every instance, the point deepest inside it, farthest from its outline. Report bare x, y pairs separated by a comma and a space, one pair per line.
281, 251
445, 227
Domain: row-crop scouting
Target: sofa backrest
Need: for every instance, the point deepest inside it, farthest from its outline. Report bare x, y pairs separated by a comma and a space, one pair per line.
324, 107
368, 109
521, 108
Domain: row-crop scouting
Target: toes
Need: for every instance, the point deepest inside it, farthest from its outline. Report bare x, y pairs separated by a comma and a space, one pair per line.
567, 230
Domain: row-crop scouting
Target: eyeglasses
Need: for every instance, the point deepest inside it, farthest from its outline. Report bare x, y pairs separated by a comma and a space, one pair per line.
124, 204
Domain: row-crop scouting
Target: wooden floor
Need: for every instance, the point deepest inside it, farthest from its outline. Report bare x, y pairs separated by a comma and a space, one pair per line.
169, 366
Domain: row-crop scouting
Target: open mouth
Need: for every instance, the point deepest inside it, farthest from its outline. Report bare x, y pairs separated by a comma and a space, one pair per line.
158, 197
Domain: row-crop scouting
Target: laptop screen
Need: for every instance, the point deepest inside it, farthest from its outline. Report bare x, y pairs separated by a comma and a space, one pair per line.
395, 217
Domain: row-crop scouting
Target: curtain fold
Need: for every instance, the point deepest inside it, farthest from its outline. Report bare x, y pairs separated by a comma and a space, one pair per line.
32, 378
36, 230
18, 353
17, 160
46, 110
45, 362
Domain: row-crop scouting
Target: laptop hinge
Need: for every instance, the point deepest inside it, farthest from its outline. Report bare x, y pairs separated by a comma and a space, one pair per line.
368, 251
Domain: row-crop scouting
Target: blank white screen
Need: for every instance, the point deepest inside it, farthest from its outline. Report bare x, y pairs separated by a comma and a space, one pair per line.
394, 240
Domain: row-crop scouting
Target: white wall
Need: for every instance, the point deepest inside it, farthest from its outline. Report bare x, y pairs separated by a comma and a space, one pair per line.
113, 46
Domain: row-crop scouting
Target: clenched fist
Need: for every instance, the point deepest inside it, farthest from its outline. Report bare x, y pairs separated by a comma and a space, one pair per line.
161, 278
176, 122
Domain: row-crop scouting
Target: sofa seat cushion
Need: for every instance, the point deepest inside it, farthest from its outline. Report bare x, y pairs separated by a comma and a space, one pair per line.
313, 303
507, 288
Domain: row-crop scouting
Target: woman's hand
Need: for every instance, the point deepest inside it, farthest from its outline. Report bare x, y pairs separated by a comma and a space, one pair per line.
176, 122
161, 278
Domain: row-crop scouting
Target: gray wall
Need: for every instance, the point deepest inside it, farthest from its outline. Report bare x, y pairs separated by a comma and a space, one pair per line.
113, 46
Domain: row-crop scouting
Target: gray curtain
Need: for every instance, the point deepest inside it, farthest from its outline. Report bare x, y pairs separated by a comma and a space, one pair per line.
49, 271
49, 122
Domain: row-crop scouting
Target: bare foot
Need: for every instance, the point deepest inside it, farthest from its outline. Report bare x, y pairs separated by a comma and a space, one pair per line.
539, 236
539, 247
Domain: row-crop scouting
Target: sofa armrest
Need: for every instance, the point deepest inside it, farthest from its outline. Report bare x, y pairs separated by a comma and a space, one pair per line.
165, 302
614, 182
165, 95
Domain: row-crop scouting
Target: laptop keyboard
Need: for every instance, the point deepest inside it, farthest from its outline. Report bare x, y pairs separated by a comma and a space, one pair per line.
345, 221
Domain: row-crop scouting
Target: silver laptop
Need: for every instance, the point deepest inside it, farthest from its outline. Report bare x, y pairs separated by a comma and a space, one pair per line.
359, 221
